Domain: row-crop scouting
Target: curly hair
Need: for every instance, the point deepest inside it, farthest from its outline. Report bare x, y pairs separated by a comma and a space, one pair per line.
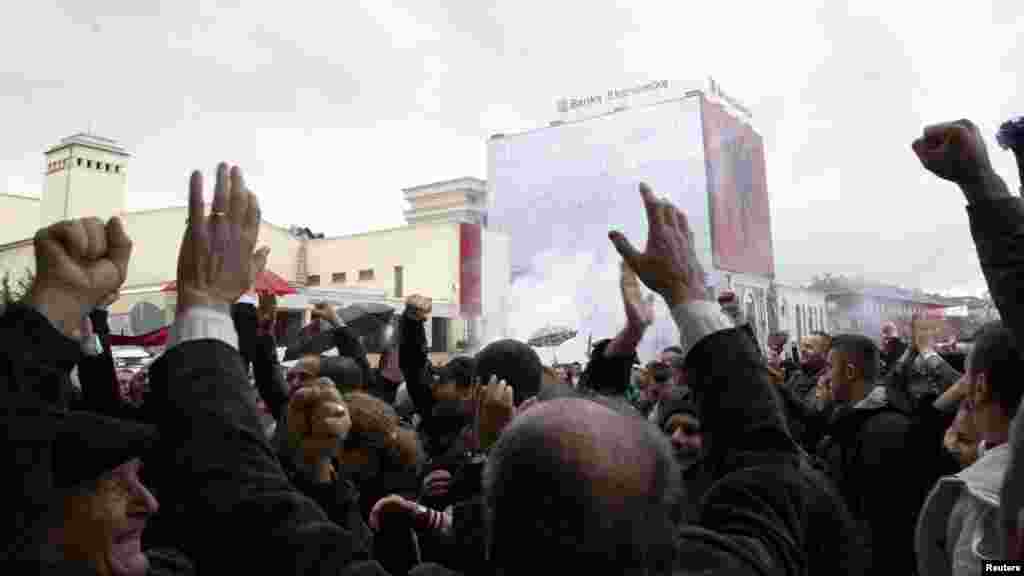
376, 425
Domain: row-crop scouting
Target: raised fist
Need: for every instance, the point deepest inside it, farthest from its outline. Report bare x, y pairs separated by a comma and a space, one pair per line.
954, 151
80, 264
419, 307
318, 422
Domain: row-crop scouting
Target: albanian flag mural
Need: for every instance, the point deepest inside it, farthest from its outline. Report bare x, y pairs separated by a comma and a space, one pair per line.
740, 213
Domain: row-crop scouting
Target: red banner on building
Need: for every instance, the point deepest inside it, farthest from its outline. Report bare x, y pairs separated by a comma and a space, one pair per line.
740, 213
470, 262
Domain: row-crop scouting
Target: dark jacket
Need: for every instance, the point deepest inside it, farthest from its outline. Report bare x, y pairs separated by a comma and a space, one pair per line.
806, 419
37, 360
261, 351
236, 510
998, 230
883, 463
768, 512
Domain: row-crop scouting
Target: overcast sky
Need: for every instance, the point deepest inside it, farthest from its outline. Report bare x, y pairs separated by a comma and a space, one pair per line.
333, 108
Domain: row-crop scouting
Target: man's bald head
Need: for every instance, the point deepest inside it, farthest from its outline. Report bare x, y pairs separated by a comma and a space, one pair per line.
583, 482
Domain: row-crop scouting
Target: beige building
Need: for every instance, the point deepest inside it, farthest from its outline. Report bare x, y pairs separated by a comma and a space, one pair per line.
440, 253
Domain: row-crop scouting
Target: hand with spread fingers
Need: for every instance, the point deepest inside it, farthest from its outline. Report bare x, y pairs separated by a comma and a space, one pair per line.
318, 423
80, 264
495, 409
216, 263
418, 307
668, 265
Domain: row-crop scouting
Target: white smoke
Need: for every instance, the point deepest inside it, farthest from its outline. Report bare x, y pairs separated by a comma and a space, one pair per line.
581, 292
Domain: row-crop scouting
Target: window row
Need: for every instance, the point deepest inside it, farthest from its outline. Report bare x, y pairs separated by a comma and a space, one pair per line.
83, 163
364, 276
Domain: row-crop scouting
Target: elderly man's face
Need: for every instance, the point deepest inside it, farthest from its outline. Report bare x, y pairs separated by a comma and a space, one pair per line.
103, 526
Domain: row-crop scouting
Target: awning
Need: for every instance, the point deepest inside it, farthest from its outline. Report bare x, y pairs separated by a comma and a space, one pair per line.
266, 283
155, 338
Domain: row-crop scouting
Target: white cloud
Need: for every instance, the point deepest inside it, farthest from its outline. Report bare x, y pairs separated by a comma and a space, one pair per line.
333, 108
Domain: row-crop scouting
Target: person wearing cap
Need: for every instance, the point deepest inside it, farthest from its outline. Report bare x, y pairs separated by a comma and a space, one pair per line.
233, 508
82, 504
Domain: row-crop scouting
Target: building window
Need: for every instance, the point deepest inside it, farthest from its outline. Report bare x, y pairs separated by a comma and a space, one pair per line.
398, 282
107, 167
88, 163
313, 280
365, 275
117, 168
338, 278
79, 161
439, 331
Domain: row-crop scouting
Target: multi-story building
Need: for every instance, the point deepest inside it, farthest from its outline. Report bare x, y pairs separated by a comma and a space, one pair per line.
442, 253
863, 309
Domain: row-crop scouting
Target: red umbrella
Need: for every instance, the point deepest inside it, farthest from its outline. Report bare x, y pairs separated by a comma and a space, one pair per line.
266, 283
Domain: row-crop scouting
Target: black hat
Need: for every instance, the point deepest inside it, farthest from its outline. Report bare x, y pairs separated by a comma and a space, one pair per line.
514, 362
677, 401
86, 445
53, 451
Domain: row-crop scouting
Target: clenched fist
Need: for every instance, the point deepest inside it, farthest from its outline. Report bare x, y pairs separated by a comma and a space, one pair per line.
318, 422
955, 151
80, 264
419, 307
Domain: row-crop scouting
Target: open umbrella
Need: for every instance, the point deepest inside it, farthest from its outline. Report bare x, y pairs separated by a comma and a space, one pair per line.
551, 337
365, 319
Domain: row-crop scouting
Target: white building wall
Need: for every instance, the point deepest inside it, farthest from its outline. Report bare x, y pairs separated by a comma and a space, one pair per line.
496, 282
19, 217
802, 311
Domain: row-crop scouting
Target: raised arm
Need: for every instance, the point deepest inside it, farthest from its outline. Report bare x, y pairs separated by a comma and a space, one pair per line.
413, 360
220, 476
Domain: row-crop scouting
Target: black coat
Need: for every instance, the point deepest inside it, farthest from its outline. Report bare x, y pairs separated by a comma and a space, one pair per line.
235, 509
768, 512
998, 230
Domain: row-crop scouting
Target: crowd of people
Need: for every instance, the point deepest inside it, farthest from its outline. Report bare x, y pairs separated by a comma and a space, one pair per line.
716, 457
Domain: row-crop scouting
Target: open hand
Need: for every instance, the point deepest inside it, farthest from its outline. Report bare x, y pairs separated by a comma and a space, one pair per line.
668, 265
80, 264
495, 409
216, 261
639, 310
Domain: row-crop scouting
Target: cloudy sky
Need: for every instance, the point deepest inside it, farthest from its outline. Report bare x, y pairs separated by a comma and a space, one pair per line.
333, 108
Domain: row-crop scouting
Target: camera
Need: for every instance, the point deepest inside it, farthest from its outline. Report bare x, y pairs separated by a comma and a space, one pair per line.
1011, 135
